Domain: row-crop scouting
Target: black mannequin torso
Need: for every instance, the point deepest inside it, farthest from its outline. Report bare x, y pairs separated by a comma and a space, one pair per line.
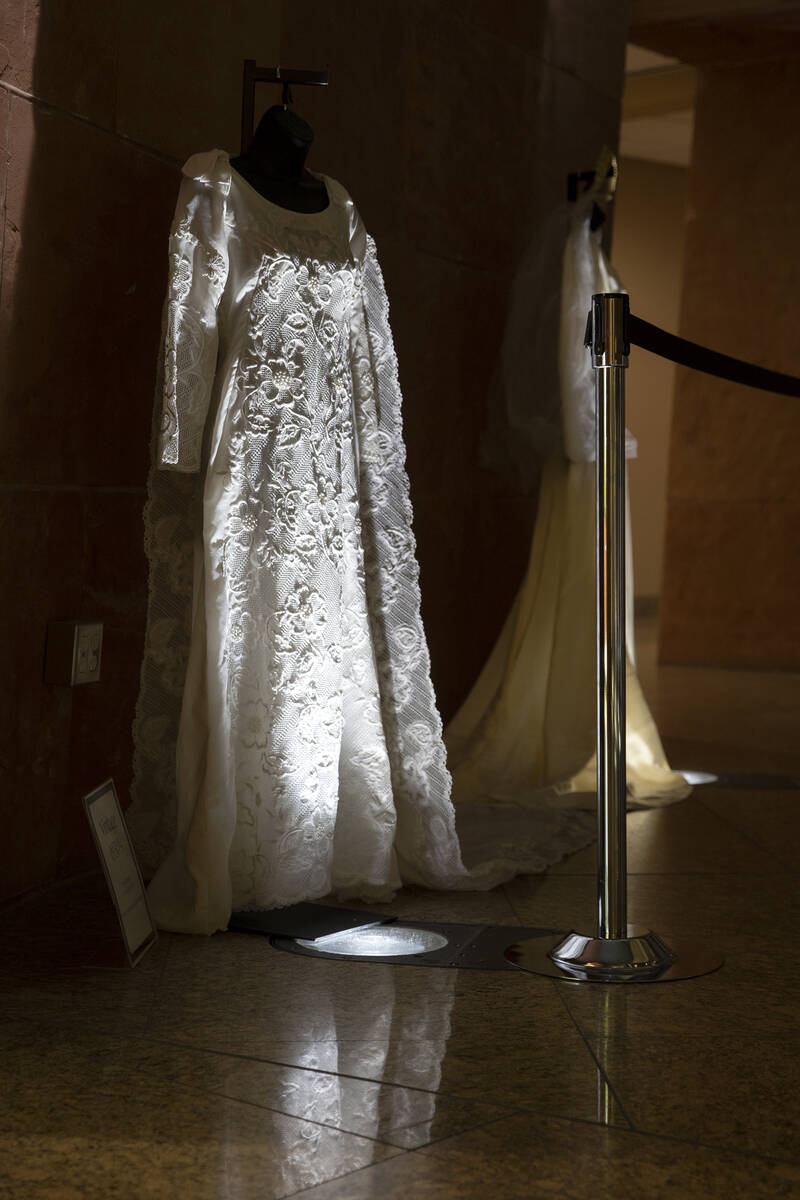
275, 163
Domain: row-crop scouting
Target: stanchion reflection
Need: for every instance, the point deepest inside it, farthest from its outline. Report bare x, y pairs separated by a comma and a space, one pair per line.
610, 1025
603, 1099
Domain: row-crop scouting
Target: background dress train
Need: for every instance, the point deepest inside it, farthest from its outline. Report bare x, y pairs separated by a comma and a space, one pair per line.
529, 720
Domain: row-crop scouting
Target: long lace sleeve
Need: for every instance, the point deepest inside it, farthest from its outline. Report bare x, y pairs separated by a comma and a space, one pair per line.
198, 269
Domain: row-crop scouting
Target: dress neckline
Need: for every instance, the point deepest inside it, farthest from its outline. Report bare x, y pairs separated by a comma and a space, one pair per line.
239, 180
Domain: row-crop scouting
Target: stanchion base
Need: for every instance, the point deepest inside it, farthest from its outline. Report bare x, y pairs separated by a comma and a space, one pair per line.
642, 957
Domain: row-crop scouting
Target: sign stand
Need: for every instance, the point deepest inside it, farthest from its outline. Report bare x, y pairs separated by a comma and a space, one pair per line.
121, 870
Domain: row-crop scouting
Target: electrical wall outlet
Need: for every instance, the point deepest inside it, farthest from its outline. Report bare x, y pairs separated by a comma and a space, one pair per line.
73, 652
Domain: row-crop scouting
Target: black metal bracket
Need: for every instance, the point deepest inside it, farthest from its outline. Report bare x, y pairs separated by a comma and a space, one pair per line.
285, 76
577, 182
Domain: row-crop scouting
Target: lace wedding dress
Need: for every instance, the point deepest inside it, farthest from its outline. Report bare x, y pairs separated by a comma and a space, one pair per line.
285, 655
529, 720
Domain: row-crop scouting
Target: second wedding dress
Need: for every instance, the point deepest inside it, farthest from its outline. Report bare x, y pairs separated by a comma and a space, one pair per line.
528, 723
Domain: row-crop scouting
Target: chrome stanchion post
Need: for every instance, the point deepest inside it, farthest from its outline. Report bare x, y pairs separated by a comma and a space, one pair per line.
617, 952
610, 349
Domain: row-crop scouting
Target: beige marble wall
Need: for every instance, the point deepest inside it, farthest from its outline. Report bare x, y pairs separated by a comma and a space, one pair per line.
454, 125
732, 556
649, 214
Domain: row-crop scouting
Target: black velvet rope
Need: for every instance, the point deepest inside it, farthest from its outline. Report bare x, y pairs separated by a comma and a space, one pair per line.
699, 358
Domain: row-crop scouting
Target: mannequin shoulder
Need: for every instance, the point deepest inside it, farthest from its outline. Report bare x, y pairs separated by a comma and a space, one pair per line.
209, 169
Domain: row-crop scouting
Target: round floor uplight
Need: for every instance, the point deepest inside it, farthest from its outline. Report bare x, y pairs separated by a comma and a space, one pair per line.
699, 777
377, 941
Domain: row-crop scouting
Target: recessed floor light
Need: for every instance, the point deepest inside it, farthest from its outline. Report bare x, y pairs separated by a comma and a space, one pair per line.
380, 941
695, 777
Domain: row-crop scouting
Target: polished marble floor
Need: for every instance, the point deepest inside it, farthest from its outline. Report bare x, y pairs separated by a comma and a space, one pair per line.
224, 1068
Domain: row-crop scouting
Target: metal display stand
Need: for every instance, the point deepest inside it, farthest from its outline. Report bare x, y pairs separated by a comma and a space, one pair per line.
617, 952
286, 77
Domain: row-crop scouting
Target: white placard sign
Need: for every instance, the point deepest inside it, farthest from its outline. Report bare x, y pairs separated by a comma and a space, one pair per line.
121, 869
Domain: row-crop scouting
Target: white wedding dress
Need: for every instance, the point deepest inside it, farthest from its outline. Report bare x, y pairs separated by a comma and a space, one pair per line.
284, 613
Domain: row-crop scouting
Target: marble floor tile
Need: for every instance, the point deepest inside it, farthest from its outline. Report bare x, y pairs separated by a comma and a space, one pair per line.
680, 838
39, 1052
752, 995
14, 1029
742, 1092
68, 976
272, 996
308, 1012
526, 1157
767, 818
559, 901
104, 999
531, 1055
77, 1122
407, 1026
399, 1116
560, 1078
64, 961
731, 754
